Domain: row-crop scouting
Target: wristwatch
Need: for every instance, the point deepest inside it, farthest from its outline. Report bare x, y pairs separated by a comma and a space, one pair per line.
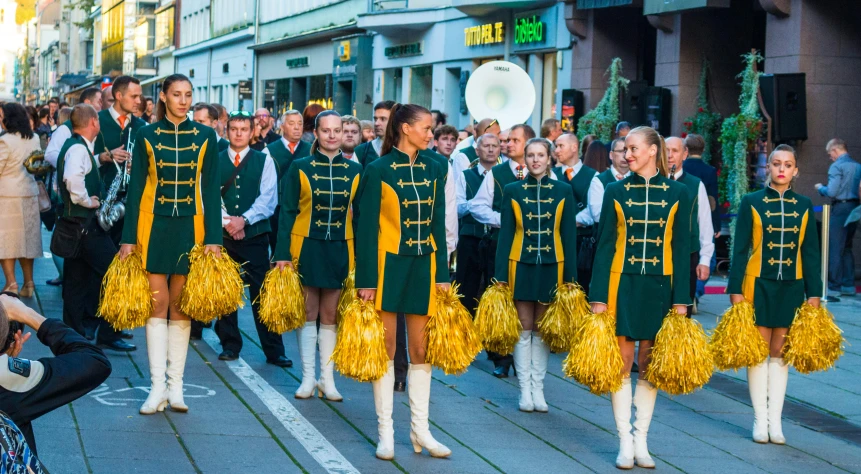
246, 221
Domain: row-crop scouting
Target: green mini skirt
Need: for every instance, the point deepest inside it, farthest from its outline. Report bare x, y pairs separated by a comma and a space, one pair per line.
641, 302
322, 263
165, 241
406, 283
532, 282
774, 301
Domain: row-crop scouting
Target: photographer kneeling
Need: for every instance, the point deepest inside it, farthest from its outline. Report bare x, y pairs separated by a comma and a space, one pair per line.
32, 388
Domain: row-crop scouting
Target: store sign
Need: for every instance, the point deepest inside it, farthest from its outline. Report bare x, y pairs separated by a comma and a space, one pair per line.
480, 35
344, 51
297, 62
245, 91
402, 50
529, 30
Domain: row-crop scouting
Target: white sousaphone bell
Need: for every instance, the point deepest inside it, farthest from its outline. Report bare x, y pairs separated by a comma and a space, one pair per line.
500, 90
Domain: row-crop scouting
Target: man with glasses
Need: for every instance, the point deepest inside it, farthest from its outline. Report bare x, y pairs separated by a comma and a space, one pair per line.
266, 124
287, 148
618, 170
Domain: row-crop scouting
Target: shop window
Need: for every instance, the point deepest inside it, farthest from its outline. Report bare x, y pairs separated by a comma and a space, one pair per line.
548, 90
164, 22
421, 85
393, 84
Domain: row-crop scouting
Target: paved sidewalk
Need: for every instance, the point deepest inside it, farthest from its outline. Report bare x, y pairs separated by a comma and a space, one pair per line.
243, 418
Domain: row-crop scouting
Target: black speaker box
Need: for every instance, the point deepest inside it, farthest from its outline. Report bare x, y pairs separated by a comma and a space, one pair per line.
647, 105
785, 100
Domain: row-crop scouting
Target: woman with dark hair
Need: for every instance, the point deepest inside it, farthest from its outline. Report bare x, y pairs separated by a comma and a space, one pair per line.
43, 128
258, 140
20, 233
316, 232
596, 156
309, 115
179, 199
401, 231
584, 144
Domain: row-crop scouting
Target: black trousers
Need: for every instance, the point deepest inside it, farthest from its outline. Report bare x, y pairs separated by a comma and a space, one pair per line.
254, 254
273, 223
401, 354
82, 280
584, 273
695, 260
471, 272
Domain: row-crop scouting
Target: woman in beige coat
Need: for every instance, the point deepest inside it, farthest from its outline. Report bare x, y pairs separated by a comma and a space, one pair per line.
20, 235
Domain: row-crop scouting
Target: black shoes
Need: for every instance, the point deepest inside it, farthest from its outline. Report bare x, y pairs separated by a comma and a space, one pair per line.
228, 355
126, 335
119, 345
195, 335
280, 361
501, 371
400, 386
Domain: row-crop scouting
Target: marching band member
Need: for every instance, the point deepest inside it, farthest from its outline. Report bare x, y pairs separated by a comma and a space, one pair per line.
352, 137
288, 148
175, 176
370, 151
317, 233
402, 216
616, 172
571, 170
640, 273
776, 262
462, 158
536, 253
249, 193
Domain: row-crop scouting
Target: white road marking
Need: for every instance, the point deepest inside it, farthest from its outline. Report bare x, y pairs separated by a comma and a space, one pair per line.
312, 440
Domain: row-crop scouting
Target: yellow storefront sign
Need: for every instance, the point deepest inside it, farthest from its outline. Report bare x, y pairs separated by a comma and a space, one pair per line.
490, 33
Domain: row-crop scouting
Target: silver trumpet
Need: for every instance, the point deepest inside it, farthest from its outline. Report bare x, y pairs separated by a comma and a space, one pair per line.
113, 208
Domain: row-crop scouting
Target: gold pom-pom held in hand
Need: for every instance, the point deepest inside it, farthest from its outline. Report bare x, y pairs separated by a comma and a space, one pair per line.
594, 359
360, 350
496, 319
814, 341
214, 286
563, 317
736, 342
452, 340
681, 361
282, 300
126, 301
348, 294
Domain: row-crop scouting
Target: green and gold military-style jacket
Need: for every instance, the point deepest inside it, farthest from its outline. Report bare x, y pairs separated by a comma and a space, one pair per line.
175, 173
776, 239
644, 230
401, 211
316, 201
538, 226
92, 180
240, 195
692, 183
282, 156
111, 136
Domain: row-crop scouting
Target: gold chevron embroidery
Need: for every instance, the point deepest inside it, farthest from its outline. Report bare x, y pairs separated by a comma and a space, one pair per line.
193, 131
412, 242
777, 199
321, 207
193, 147
320, 223
318, 192
410, 222
793, 229
660, 222
406, 202
401, 165
334, 178
534, 201
162, 164
653, 260
785, 214
790, 245
163, 182
773, 261
163, 200
662, 186
546, 215
531, 232
633, 241
424, 182
336, 165
546, 248
631, 202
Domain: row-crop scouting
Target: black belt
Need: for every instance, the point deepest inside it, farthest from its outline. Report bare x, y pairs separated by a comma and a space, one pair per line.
841, 201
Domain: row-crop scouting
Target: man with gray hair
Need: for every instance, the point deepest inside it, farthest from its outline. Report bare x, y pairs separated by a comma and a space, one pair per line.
844, 176
288, 148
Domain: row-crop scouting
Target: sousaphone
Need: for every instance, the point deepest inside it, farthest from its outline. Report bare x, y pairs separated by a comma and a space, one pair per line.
500, 90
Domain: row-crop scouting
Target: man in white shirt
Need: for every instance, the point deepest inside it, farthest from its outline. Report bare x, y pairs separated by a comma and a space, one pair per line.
617, 171
91, 96
246, 231
466, 155
701, 218
351, 137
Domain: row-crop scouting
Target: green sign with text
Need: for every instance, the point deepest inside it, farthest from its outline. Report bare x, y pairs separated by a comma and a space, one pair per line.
297, 62
529, 30
401, 50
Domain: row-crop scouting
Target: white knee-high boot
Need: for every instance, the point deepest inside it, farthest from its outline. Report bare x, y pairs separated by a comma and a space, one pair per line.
156, 349
306, 336
540, 354
644, 402
523, 366
757, 383
384, 389
326, 384
419, 379
778, 375
621, 401
178, 333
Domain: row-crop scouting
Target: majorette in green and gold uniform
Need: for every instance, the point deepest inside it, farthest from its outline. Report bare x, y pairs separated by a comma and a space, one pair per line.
316, 222
642, 262
776, 255
537, 238
175, 176
401, 232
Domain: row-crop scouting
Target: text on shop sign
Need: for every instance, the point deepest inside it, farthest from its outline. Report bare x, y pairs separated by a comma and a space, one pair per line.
298, 62
490, 33
412, 49
528, 30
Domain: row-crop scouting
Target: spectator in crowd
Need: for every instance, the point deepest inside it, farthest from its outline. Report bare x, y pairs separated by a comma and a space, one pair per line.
53, 106
147, 105
622, 129
596, 156
551, 129
439, 118
258, 135
462, 135
695, 166
43, 129
367, 131
309, 119
584, 144
20, 235
266, 135
351, 136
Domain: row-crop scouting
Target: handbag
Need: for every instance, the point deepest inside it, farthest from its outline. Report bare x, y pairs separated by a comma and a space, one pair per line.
44, 200
68, 236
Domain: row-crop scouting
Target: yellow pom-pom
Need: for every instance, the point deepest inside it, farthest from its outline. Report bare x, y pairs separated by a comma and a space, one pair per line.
496, 319
681, 360
348, 294
214, 286
563, 317
594, 359
736, 342
126, 301
360, 350
282, 301
814, 341
452, 341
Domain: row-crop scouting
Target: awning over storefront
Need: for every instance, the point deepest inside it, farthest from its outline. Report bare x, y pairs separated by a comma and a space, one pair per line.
153, 80
73, 80
588, 4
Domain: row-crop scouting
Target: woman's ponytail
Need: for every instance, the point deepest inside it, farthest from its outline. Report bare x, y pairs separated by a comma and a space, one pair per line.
393, 131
